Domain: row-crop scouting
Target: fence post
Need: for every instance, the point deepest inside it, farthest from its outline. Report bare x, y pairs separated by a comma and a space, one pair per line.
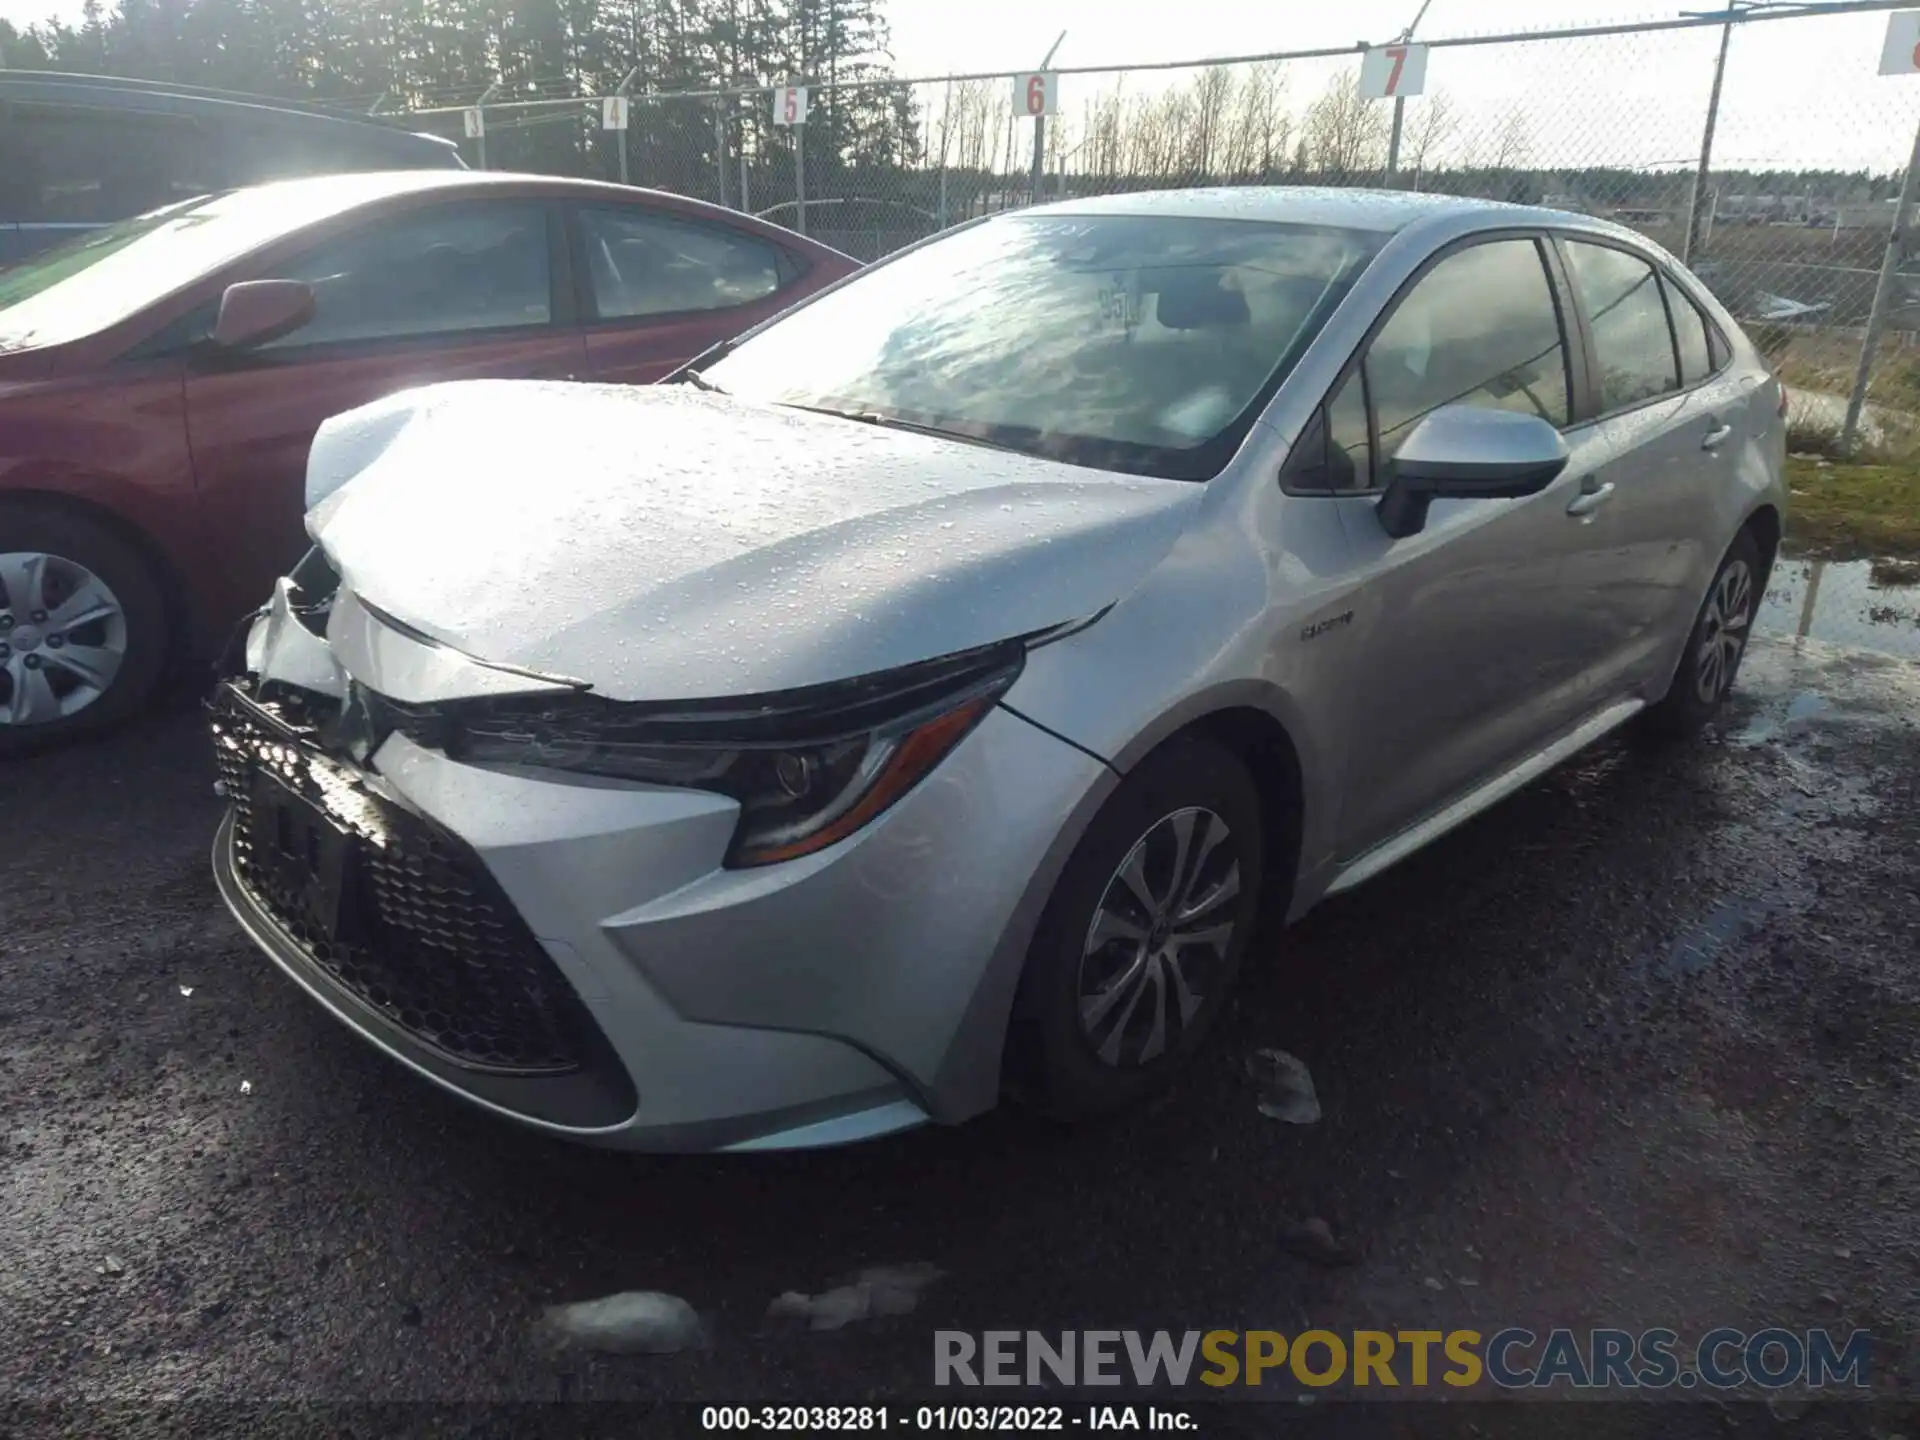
720, 146
1039, 157
1040, 133
622, 90
800, 177
1692, 240
480, 109
1882, 298
1400, 102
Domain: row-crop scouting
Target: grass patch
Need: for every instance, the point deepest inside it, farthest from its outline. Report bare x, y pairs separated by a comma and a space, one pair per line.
1842, 511
1826, 361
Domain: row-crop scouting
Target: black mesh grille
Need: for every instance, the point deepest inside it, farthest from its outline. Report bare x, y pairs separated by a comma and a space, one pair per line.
408, 920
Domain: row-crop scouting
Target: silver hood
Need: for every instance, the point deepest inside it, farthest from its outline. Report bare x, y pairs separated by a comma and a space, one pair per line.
673, 544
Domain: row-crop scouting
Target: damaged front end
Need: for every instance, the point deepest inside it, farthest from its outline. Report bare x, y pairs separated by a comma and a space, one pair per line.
391, 919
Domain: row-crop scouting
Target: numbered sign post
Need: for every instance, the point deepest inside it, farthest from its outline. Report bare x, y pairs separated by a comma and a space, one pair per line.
790, 109
1900, 55
1036, 95
1393, 72
790, 105
475, 120
613, 113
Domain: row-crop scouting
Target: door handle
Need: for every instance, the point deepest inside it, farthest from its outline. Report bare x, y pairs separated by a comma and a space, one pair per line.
1711, 440
1588, 501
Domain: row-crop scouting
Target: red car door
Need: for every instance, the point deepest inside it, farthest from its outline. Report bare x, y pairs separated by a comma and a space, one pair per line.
658, 288
458, 291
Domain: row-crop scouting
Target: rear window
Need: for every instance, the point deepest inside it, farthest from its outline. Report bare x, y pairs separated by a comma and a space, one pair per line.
1689, 335
1631, 337
63, 165
91, 165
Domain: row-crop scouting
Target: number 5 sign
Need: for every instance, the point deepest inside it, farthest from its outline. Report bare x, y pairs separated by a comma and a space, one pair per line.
1390, 71
790, 105
1036, 94
1901, 54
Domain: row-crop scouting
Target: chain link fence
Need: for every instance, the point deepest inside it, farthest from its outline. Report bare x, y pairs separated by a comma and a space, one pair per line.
1788, 222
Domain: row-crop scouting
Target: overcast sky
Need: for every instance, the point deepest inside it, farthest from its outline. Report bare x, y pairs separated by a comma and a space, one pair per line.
1798, 92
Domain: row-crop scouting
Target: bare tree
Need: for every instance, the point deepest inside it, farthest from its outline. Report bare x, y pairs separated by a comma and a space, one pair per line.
1433, 126
1345, 132
1257, 144
1207, 99
1513, 144
1100, 150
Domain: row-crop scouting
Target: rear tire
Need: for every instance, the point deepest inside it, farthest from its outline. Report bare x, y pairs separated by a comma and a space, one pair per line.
83, 628
1715, 645
1140, 942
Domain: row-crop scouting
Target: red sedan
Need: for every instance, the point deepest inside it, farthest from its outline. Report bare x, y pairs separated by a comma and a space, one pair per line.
160, 381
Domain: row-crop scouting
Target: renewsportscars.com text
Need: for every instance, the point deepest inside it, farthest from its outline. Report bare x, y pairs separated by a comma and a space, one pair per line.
1512, 1358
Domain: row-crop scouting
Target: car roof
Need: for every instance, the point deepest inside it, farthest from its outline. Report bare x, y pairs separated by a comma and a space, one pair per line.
1386, 211
348, 191
117, 93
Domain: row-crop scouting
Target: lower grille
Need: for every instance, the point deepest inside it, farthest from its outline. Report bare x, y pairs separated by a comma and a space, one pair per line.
395, 910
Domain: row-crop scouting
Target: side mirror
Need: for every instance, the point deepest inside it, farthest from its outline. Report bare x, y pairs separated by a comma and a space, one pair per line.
256, 311
1467, 453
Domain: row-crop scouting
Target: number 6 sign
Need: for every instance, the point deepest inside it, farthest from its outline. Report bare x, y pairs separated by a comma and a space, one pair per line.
790, 105
1388, 72
1036, 94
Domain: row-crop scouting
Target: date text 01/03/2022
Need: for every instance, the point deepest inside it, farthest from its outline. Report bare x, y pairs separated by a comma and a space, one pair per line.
991, 1419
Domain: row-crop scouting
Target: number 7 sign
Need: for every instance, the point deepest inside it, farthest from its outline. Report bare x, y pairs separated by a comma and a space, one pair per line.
1388, 72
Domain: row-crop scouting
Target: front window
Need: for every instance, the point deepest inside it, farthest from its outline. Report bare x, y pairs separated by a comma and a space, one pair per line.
1481, 329
104, 276
469, 267
1136, 343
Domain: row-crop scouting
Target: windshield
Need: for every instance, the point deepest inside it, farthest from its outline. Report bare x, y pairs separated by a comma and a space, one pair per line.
102, 276
1137, 343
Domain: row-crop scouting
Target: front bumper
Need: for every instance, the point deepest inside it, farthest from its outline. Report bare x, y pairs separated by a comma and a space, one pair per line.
848, 994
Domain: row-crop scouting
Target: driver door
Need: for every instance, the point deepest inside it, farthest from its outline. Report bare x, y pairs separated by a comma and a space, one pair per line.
1484, 630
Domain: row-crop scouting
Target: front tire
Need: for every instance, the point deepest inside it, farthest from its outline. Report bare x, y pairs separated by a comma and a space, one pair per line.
83, 628
1716, 644
1140, 942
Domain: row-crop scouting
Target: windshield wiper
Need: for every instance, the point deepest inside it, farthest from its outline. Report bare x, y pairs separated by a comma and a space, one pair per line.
687, 375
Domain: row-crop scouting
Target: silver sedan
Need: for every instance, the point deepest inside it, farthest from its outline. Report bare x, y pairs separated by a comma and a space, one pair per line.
927, 697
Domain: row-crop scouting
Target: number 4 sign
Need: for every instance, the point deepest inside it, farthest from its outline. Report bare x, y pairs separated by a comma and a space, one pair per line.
1388, 72
1901, 54
790, 105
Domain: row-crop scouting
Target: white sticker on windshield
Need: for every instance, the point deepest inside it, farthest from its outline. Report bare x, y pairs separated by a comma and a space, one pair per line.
1120, 304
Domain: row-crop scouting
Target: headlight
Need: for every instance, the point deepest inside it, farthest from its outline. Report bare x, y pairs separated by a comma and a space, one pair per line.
809, 767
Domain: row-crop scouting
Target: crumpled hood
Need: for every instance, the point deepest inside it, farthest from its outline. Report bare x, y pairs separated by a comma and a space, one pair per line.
668, 543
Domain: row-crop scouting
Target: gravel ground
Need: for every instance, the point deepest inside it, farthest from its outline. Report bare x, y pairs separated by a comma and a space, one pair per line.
1637, 1048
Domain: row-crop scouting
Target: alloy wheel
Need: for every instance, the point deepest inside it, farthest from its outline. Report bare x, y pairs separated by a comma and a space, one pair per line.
1723, 632
1158, 944
63, 636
